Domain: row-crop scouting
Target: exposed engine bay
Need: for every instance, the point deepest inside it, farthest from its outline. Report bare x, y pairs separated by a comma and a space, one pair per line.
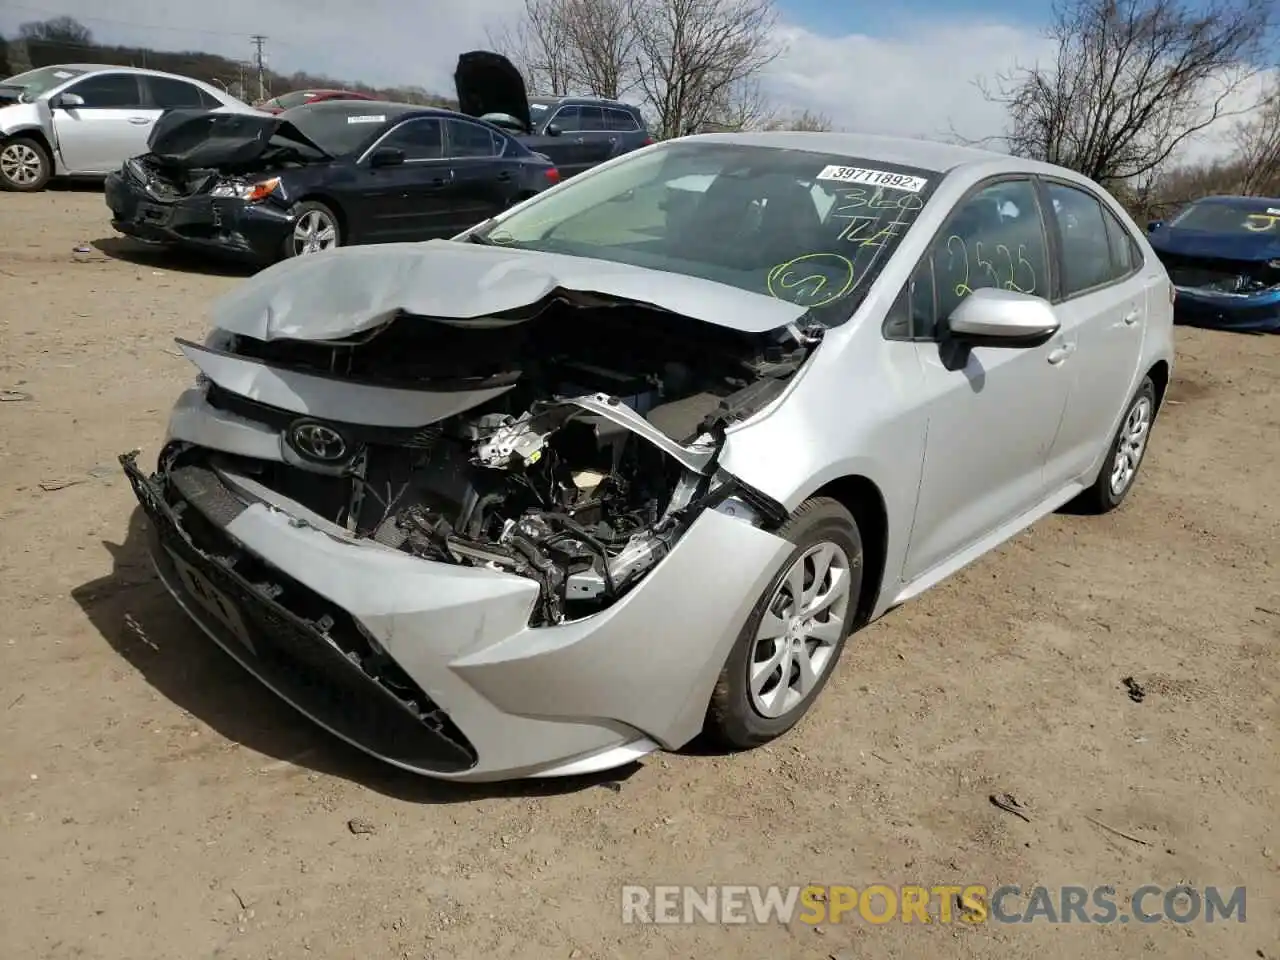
581, 472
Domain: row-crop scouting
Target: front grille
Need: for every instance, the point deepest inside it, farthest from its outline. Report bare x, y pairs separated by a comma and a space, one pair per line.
304, 647
1196, 276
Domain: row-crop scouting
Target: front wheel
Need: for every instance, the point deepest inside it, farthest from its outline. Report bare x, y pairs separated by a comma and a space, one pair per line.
790, 644
1124, 455
25, 166
315, 229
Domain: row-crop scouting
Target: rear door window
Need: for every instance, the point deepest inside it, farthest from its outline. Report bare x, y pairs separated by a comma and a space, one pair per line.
170, 94
592, 119
620, 121
471, 140
1086, 249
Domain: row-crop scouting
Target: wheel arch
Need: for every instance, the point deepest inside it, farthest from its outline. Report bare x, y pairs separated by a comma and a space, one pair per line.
38, 135
1159, 374
862, 498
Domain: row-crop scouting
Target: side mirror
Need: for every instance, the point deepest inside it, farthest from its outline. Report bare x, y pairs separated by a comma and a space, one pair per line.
991, 317
386, 157
67, 101
1154, 225
553, 130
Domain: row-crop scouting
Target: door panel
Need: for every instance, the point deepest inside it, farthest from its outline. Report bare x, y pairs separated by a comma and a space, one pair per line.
1104, 305
414, 199
596, 141
991, 424
483, 182
111, 126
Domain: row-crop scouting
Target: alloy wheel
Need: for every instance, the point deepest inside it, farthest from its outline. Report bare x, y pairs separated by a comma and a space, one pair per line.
313, 232
1133, 441
800, 630
20, 164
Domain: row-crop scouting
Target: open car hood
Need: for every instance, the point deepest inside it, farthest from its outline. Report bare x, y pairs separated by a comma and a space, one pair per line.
487, 82
347, 292
199, 139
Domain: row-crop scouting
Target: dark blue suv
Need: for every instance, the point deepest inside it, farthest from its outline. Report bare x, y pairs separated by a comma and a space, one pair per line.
575, 133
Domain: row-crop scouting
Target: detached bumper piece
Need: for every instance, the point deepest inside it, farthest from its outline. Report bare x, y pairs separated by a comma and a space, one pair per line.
300, 645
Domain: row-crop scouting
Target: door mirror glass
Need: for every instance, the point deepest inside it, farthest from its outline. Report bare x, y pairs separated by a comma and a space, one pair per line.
68, 101
553, 130
386, 157
992, 317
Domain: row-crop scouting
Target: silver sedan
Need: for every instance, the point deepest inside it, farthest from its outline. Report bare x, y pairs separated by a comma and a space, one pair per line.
629, 462
86, 119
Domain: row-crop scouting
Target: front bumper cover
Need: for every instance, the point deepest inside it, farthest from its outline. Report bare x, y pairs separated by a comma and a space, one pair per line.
222, 225
432, 667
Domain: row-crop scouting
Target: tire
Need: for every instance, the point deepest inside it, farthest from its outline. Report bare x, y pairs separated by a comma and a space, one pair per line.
1107, 493
25, 165
311, 211
737, 717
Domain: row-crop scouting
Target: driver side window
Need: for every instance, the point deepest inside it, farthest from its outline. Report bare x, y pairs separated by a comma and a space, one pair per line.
109, 91
995, 238
419, 139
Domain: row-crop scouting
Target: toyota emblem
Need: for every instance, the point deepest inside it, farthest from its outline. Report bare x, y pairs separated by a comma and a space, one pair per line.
315, 441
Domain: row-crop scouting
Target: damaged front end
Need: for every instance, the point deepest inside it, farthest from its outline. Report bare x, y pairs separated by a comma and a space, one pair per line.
571, 443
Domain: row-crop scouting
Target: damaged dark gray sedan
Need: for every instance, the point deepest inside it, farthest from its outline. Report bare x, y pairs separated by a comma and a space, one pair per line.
630, 461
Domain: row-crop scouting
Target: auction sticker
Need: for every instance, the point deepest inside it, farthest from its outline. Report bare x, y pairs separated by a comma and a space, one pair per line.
876, 178
368, 118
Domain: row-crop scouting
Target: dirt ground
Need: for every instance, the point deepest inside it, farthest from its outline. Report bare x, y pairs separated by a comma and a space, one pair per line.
157, 803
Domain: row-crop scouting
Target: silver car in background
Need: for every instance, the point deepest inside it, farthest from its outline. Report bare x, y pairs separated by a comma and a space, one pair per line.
631, 460
86, 119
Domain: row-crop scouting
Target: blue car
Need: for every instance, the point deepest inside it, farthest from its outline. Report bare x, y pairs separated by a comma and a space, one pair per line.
1223, 256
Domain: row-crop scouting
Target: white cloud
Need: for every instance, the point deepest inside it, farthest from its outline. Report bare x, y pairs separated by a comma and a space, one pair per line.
918, 82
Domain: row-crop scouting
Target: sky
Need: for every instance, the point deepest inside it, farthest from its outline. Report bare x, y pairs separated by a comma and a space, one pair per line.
904, 68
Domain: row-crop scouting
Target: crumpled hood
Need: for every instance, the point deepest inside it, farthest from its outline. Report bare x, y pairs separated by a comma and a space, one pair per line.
198, 139
1214, 245
345, 292
487, 82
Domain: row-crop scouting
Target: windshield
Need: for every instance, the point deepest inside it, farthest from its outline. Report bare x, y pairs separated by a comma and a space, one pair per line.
41, 81
1235, 218
341, 126
813, 229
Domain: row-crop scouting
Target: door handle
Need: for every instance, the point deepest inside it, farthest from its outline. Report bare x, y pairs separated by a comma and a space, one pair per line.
439, 182
1131, 318
504, 176
581, 140
139, 121
613, 139
1059, 354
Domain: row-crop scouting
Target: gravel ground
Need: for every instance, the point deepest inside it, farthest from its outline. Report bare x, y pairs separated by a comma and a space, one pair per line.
158, 803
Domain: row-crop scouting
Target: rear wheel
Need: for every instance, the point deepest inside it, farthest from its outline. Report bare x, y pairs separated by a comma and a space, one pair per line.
790, 644
25, 166
1124, 456
315, 229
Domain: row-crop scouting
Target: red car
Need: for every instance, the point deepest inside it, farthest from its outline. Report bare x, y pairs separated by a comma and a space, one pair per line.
287, 101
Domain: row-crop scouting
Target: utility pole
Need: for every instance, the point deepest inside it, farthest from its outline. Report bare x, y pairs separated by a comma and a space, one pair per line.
258, 40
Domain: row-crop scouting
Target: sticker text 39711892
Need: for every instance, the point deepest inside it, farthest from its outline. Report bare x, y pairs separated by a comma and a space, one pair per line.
879, 178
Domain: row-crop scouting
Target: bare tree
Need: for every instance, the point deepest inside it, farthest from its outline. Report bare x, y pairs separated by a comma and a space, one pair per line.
57, 30
694, 56
538, 46
1258, 143
801, 120
1132, 81
601, 38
